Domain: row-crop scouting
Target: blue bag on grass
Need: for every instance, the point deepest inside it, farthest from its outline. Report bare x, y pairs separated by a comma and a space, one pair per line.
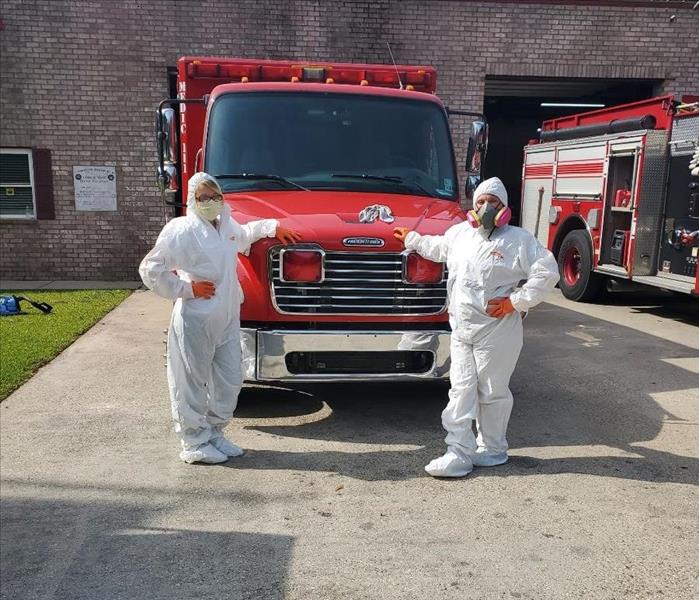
9, 305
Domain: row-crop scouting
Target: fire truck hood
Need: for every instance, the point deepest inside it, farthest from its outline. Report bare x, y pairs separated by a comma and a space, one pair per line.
324, 215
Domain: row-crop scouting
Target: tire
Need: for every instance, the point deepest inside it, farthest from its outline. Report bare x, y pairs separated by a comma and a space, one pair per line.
578, 282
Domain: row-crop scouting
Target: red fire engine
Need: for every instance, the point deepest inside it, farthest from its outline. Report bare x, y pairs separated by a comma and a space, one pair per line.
342, 153
614, 193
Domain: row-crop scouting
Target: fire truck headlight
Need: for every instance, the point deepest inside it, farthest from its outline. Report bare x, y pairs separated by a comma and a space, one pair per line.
420, 270
302, 266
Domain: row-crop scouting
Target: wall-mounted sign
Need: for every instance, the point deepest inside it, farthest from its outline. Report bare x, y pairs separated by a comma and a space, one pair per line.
95, 188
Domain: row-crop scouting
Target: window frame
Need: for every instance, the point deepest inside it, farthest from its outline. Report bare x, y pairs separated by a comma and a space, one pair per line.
32, 184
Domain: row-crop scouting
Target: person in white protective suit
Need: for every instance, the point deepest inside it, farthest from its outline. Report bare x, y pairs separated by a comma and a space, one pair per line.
194, 263
486, 258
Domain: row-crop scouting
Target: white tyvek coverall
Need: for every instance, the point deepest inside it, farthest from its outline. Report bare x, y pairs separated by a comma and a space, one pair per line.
484, 349
204, 357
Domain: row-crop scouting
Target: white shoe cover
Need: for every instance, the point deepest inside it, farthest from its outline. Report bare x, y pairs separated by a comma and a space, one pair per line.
487, 459
205, 453
226, 446
450, 464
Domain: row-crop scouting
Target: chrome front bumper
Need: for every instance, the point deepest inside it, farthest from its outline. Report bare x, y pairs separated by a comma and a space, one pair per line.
265, 353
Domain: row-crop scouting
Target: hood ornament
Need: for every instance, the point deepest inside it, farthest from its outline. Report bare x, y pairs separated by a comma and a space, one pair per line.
376, 211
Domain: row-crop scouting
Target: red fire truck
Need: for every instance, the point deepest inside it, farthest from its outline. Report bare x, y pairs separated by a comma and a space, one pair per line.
613, 194
342, 153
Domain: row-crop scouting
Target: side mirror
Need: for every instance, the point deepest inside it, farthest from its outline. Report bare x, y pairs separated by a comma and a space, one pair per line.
472, 182
477, 147
166, 132
168, 125
168, 180
475, 154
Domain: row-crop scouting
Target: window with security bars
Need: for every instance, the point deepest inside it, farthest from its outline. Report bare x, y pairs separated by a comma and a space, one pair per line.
26, 184
16, 184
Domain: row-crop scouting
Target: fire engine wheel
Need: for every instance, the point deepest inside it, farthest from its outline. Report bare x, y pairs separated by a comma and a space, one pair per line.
578, 282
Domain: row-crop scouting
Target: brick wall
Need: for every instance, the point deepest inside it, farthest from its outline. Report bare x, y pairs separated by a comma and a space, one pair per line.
82, 78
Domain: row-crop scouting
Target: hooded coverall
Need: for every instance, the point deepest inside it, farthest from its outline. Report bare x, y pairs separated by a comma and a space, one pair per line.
484, 349
204, 367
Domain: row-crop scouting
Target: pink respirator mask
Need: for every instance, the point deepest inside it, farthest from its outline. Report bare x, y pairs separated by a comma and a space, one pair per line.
502, 217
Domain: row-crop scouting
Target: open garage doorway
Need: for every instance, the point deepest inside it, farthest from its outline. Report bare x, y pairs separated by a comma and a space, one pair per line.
513, 107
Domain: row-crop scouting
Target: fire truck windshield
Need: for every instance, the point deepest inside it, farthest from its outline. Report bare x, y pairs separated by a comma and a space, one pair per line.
330, 141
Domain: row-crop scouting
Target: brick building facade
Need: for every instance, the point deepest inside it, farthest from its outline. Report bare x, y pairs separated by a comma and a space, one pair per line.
79, 81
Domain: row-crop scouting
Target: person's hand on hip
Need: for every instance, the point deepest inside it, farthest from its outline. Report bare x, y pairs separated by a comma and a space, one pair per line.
203, 289
499, 307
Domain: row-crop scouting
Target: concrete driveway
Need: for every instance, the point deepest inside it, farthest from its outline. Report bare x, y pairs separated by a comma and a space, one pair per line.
600, 499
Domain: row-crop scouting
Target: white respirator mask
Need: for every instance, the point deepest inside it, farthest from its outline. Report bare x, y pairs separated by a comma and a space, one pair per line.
209, 209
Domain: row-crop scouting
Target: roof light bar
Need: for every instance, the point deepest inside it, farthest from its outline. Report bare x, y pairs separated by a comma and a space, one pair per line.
245, 71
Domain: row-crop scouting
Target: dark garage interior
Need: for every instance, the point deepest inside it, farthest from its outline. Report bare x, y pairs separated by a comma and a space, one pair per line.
513, 107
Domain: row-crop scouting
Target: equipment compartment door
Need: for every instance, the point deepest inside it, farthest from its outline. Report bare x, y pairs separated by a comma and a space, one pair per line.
620, 198
681, 212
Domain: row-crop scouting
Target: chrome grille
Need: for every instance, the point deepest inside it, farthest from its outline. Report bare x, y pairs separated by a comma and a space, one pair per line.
358, 283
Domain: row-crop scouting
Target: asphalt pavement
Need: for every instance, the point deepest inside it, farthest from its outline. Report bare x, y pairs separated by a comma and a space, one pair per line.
600, 498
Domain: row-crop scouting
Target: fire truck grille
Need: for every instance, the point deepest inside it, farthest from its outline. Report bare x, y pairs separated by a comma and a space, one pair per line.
358, 283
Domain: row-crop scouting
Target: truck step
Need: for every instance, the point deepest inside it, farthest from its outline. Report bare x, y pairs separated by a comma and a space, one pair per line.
674, 284
612, 270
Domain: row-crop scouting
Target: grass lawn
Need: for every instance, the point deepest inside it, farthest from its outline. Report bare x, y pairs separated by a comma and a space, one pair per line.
30, 340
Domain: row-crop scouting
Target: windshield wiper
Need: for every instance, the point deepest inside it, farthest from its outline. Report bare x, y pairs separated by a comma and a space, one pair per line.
387, 178
262, 176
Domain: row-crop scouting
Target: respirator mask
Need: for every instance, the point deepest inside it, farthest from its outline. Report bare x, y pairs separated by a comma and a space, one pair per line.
488, 217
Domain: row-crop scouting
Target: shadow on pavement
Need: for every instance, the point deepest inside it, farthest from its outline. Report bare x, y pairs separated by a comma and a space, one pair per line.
594, 390
668, 305
67, 550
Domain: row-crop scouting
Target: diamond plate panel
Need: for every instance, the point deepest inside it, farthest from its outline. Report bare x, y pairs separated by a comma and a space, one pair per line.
651, 203
685, 136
